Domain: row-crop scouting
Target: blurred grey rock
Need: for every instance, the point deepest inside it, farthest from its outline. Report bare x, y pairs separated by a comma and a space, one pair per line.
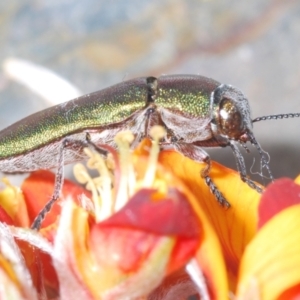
93, 44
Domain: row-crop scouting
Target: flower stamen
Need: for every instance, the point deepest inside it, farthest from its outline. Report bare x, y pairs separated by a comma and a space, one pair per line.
127, 182
99, 186
157, 133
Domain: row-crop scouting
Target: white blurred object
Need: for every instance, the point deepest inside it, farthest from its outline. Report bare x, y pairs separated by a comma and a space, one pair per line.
40, 80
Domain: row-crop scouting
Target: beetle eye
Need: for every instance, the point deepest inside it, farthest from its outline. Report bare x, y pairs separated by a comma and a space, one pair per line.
230, 119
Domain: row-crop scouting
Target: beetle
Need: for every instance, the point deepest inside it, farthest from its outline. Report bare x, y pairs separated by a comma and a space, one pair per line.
196, 112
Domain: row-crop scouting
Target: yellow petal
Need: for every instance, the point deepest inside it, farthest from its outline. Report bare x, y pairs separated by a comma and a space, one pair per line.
272, 259
297, 180
10, 287
12, 200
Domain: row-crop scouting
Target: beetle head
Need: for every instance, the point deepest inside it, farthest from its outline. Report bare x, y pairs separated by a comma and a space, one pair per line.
230, 113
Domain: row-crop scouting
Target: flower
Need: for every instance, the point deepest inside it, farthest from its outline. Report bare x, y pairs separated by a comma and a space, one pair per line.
271, 262
148, 227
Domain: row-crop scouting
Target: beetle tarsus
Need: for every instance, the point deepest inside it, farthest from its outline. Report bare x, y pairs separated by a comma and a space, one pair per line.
214, 190
252, 184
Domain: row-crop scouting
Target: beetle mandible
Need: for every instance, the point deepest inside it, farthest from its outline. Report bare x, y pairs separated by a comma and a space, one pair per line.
196, 112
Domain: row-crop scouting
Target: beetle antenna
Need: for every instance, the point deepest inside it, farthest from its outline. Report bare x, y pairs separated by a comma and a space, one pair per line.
276, 117
262, 154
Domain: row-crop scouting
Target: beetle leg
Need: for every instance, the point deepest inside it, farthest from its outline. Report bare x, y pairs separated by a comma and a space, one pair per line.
213, 188
198, 154
59, 176
240, 164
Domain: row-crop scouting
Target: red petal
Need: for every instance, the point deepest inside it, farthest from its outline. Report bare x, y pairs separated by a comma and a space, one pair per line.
278, 195
170, 215
126, 244
5, 218
40, 266
38, 189
292, 294
155, 213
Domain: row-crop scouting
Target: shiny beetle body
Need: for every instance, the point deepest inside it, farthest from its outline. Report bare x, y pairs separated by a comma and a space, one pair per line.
187, 105
196, 112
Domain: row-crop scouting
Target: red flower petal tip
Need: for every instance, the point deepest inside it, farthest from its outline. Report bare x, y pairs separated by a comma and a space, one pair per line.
278, 195
154, 212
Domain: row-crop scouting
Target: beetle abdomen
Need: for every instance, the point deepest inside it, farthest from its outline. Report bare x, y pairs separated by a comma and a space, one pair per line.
99, 109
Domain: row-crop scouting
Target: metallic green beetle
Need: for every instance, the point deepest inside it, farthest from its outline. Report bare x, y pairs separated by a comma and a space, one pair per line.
196, 112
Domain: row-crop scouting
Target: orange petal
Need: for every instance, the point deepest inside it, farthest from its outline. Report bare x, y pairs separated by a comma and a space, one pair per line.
235, 226
210, 259
272, 259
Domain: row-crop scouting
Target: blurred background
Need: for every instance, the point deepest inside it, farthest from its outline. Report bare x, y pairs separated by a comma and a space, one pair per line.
253, 45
